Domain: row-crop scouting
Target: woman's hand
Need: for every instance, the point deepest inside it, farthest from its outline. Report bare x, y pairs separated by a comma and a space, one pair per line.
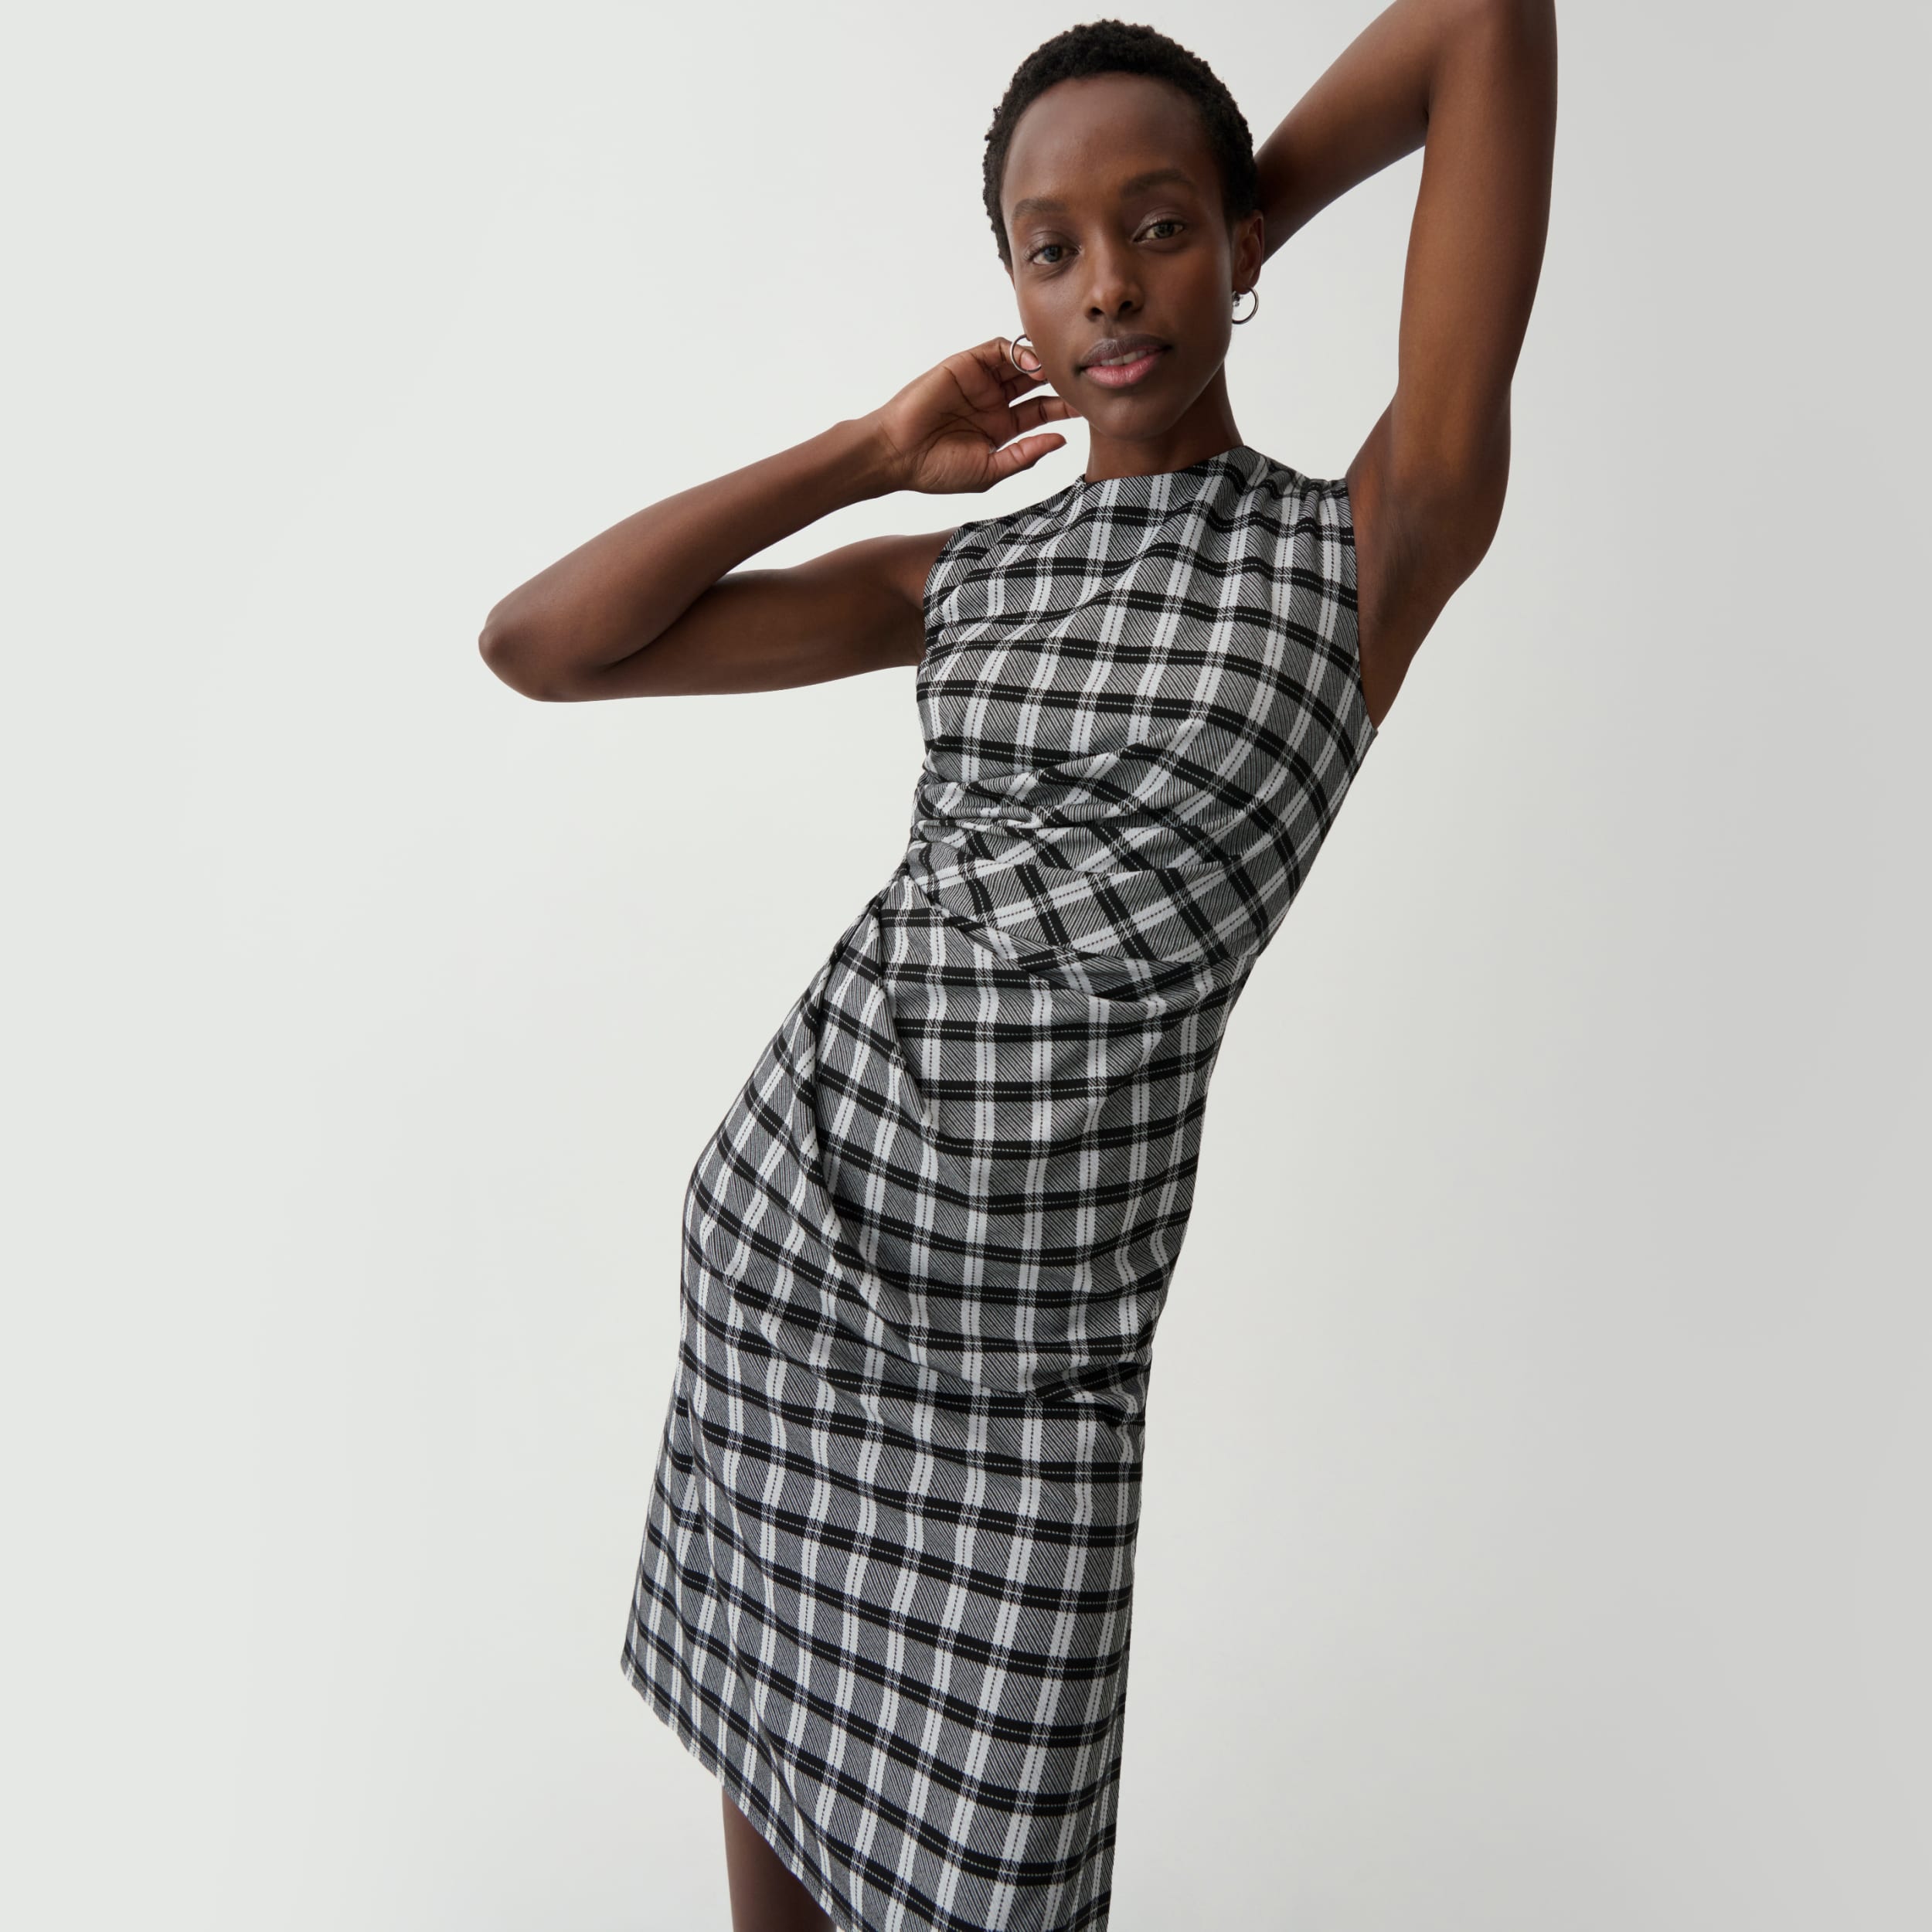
952, 428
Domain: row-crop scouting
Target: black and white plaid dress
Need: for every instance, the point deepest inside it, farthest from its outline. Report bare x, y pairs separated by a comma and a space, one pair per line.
887, 1578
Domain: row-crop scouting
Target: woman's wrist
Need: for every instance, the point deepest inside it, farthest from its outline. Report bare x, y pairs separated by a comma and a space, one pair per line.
863, 462
847, 463
721, 523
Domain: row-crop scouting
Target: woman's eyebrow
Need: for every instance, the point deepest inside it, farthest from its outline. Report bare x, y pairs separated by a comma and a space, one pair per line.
1153, 177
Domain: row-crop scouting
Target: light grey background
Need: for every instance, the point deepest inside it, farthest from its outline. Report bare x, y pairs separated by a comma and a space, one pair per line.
1535, 1528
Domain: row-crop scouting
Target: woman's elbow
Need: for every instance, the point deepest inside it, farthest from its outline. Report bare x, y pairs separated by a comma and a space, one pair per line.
506, 650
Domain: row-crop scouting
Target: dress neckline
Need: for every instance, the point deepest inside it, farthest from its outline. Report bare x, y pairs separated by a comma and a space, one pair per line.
1242, 457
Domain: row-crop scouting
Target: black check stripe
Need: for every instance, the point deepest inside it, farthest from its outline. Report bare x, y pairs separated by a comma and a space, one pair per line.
887, 1588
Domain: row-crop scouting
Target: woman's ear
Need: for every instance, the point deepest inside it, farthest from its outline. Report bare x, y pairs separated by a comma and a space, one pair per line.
1250, 249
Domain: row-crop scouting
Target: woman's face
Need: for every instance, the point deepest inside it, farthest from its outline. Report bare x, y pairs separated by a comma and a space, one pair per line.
1114, 215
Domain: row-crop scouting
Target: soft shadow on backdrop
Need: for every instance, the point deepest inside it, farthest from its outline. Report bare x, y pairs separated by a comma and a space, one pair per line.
1534, 1530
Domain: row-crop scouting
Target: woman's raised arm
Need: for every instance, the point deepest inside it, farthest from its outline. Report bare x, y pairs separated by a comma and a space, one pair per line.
1473, 83
653, 607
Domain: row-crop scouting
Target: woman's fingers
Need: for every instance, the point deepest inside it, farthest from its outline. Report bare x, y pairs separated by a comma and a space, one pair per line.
991, 358
1001, 403
994, 358
1023, 455
1014, 381
1037, 409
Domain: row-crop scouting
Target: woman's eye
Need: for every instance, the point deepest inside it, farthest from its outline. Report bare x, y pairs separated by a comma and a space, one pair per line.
1048, 254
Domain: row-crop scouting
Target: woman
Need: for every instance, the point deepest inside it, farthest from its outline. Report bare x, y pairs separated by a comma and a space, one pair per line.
886, 1582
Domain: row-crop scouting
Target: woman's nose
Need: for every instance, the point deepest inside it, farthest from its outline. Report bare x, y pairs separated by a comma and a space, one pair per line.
1114, 288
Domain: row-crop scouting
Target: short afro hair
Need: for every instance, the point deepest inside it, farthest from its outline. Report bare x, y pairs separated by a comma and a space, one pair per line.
1116, 46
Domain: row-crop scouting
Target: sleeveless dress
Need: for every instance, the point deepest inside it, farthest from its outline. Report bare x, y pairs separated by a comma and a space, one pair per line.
887, 1585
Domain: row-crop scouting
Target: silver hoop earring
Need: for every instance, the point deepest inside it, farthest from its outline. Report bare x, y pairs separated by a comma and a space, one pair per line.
1039, 361
1252, 313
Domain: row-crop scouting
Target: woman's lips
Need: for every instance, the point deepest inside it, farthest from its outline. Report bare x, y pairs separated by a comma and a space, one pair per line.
1125, 375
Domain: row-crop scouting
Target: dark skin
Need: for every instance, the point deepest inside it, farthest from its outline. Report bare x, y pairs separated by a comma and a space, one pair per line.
765, 1897
1115, 223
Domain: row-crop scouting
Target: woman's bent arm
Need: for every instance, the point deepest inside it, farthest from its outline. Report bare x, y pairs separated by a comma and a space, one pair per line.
654, 606
1473, 83
577, 629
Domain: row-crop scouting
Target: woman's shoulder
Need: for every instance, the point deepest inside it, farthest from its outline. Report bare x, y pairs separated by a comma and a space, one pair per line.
974, 539
1300, 487
985, 531
1314, 513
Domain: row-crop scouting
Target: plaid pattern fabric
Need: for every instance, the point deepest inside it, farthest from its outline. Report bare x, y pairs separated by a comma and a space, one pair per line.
886, 1583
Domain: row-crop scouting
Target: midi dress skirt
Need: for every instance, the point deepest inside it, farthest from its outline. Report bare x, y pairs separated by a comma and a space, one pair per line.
885, 1592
